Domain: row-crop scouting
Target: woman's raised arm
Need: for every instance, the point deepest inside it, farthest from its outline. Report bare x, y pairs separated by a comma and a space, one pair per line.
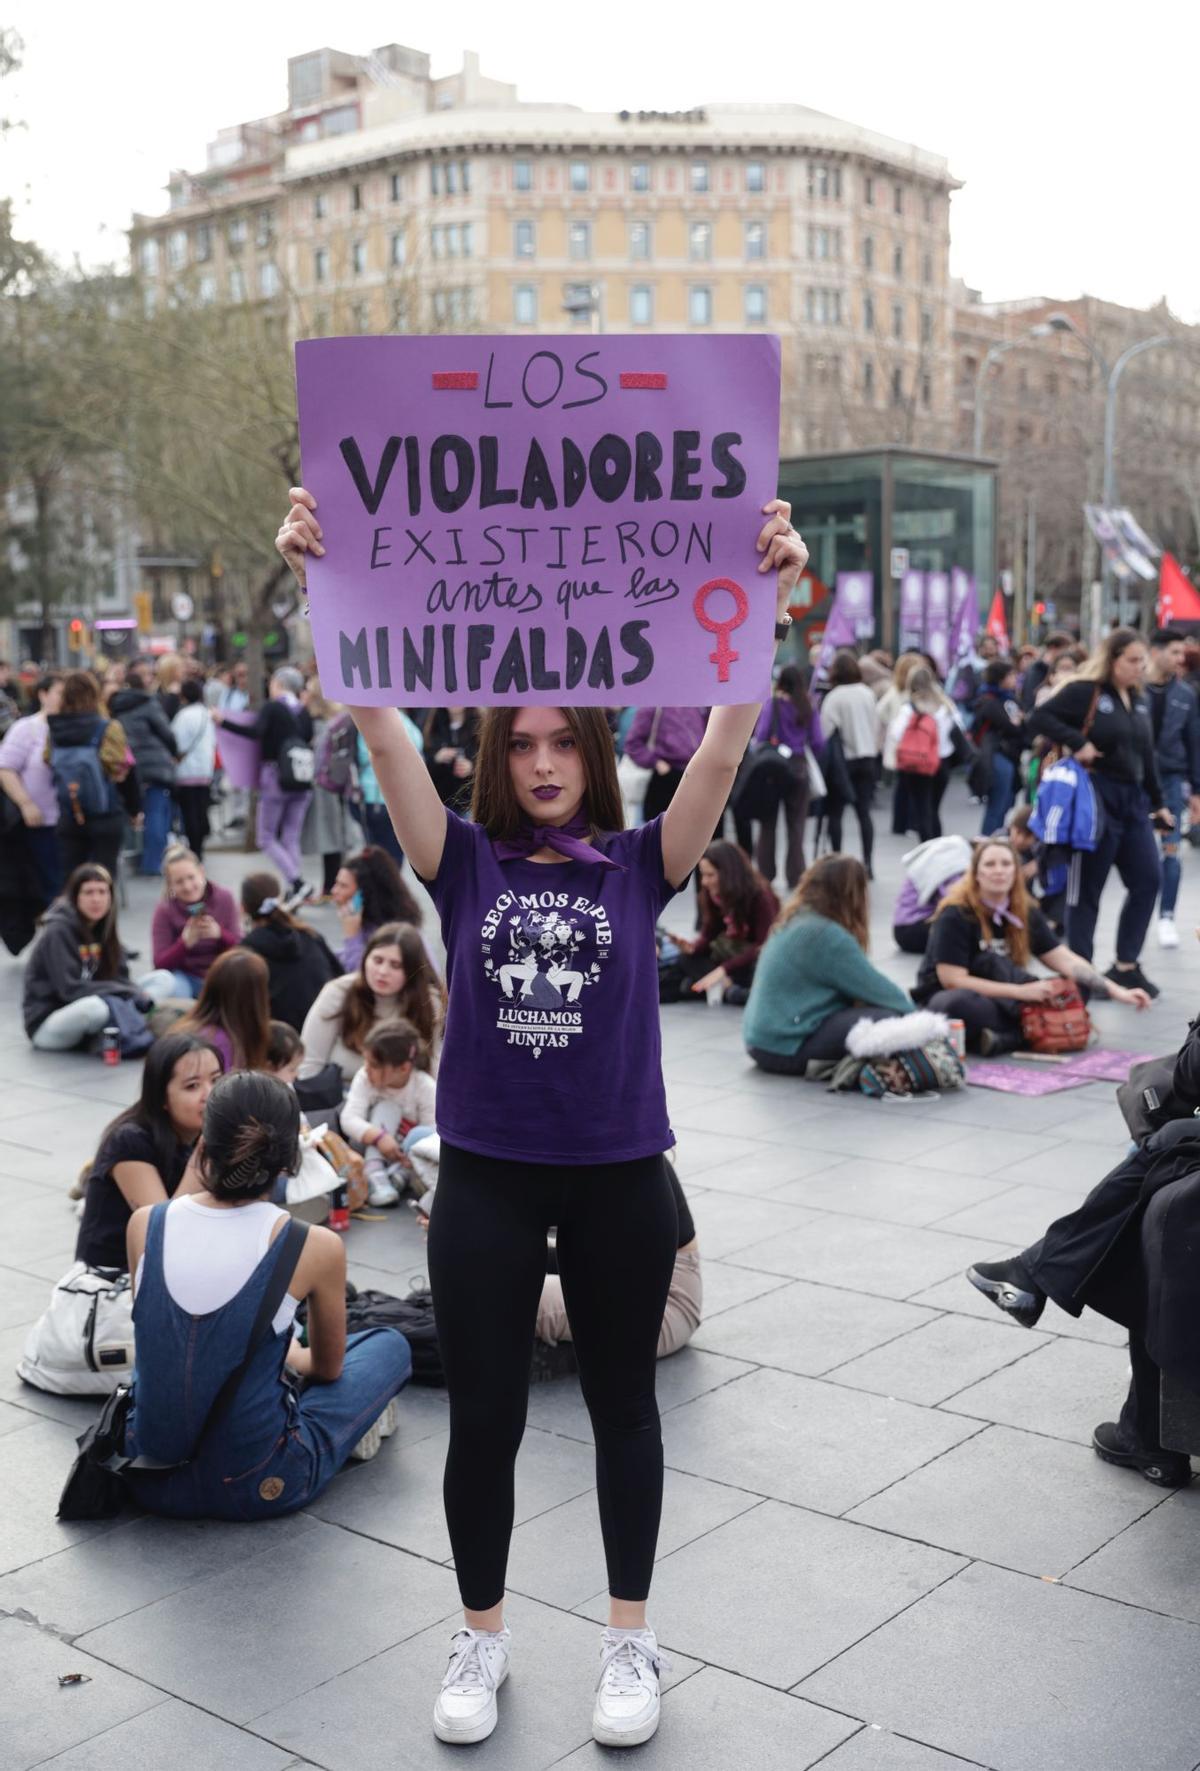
418, 815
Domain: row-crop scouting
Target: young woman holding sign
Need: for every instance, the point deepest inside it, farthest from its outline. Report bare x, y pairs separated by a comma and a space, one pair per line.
552, 1111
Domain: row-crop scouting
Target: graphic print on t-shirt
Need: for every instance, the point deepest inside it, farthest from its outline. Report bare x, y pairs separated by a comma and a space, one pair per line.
542, 951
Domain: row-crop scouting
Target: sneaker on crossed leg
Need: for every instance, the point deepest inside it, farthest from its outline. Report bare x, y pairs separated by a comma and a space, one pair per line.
627, 1696
466, 1709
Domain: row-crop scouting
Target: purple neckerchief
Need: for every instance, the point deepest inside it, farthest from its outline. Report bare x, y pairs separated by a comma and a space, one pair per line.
565, 839
1002, 913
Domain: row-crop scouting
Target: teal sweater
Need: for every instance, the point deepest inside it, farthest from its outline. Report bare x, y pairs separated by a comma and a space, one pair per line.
806, 972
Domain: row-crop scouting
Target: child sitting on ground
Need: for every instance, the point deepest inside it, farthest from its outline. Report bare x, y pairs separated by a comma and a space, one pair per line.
390, 1107
328, 1166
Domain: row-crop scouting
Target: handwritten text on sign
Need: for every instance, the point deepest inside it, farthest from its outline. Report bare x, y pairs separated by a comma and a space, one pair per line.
537, 520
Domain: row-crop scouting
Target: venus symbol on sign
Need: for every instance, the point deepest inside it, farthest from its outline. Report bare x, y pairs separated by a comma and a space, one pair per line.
724, 655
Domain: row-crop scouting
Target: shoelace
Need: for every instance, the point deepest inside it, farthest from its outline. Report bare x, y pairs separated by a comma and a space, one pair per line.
469, 1670
622, 1661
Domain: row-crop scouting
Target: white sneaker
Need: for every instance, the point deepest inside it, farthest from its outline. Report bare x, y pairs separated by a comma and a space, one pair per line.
1168, 934
380, 1190
465, 1710
374, 1436
626, 1712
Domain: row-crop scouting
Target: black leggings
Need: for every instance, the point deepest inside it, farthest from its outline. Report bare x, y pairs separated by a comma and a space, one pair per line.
862, 772
617, 1236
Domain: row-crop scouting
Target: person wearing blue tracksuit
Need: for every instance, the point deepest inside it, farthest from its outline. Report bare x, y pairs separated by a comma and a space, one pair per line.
1175, 717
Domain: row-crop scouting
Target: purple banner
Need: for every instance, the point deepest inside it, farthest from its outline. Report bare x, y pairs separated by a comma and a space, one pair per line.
1022, 1079
514, 521
912, 612
851, 619
965, 623
937, 619
241, 757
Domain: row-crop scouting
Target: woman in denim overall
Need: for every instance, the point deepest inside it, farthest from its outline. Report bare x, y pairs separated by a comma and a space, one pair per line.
275, 1447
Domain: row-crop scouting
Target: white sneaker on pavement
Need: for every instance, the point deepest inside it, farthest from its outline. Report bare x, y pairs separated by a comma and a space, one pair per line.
627, 1705
375, 1435
1168, 934
381, 1191
465, 1710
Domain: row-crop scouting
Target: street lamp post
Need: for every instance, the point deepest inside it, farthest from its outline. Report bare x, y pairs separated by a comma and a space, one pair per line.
1110, 437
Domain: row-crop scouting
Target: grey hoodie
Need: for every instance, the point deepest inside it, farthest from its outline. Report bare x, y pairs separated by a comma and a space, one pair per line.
58, 972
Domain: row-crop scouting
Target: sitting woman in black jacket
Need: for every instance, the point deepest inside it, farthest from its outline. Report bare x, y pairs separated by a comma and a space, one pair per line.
298, 961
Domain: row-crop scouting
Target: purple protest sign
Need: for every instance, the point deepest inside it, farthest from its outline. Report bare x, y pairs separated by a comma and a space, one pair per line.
514, 521
912, 612
852, 617
241, 757
1099, 1065
937, 619
964, 623
1020, 1079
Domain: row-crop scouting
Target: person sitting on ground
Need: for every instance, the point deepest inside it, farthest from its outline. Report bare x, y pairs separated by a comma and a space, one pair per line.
194, 923
394, 982
369, 890
984, 935
390, 1107
299, 964
77, 961
929, 871
202, 1267
736, 910
144, 1154
814, 981
91, 811
233, 1011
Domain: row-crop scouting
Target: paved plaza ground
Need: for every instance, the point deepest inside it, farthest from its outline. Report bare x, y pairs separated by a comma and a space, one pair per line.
886, 1543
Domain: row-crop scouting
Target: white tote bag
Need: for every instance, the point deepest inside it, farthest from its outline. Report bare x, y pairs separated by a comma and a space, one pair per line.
83, 1344
633, 779
816, 779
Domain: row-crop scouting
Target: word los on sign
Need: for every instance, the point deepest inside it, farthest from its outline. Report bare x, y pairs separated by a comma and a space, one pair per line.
453, 471
531, 658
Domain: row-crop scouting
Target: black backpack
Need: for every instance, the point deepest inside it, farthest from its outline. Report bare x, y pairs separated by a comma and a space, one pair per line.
412, 1315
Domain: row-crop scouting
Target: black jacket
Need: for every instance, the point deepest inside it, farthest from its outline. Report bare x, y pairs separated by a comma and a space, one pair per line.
149, 733
277, 724
1123, 735
299, 966
452, 789
1175, 717
997, 716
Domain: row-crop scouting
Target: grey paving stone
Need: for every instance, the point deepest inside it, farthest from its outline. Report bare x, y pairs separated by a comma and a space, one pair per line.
801, 1440
887, 1260
1063, 1389
794, 1589
886, 1191
733, 1116
73, 1411
11, 1419
142, 1560
715, 1720
559, 1556
891, 1132
1098, 1121
1023, 1675
976, 1153
1067, 1168
34, 1463
766, 1170
937, 1360
174, 1733
808, 1328
1033, 1504
727, 1224
958, 1295
558, 1407
378, 1715
1155, 1564
1016, 1216
875, 1749
725, 1287
40, 1231
38, 1717
23, 1297
335, 1600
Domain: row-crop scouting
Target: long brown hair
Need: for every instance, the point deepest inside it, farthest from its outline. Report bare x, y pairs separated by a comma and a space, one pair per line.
236, 998
261, 888
1099, 666
835, 886
104, 933
739, 884
422, 1000
964, 894
493, 800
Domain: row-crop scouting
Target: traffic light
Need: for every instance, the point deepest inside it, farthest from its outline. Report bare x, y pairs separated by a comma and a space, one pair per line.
75, 635
1039, 611
143, 608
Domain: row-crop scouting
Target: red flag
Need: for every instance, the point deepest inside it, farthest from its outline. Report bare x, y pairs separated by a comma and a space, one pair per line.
997, 626
1178, 598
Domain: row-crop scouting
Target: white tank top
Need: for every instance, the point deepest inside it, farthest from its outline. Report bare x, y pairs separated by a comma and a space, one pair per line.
209, 1252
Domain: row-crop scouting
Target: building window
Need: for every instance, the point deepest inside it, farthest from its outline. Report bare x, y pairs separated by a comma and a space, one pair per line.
869, 191
464, 178
177, 245
268, 280
754, 305
579, 240
360, 317
264, 228
237, 283
453, 241
927, 206
639, 239
358, 257
926, 390
700, 241
451, 177
897, 387
823, 307
868, 253
869, 380
700, 306
523, 240
522, 175
398, 251
150, 298
897, 319
641, 305
579, 175
396, 187
524, 304
401, 311
756, 175
819, 243
206, 289
824, 181
320, 207
437, 242
435, 178
468, 237
235, 233
581, 301
898, 198
698, 176
868, 313
148, 255
897, 261
356, 197
320, 265
202, 244
926, 326
927, 267
639, 175
756, 239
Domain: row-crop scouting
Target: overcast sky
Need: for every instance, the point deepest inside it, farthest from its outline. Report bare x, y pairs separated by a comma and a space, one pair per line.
1074, 128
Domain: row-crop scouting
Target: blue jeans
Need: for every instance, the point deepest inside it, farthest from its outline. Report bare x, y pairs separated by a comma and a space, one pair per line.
1000, 794
156, 809
377, 826
186, 985
1173, 796
1126, 843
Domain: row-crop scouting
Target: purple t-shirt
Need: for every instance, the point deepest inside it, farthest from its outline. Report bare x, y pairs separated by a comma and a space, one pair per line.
552, 1050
